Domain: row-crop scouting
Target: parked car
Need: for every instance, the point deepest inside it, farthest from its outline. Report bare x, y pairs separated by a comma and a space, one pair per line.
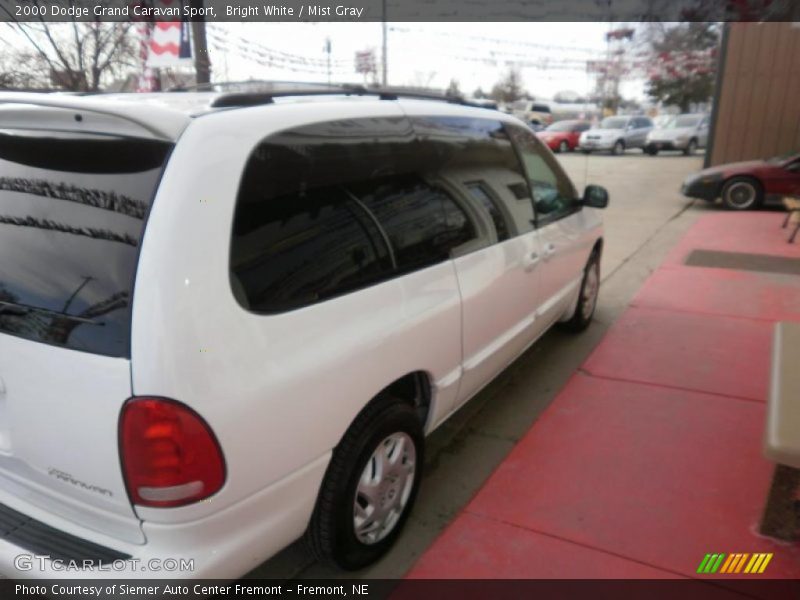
686, 133
227, 323
563, 136
662, 121
536, 114
616, 134
747, 185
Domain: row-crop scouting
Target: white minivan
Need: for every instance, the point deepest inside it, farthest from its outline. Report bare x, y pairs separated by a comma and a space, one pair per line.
229, 319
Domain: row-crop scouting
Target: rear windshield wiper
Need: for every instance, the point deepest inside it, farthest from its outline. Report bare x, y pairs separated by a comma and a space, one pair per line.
17, 309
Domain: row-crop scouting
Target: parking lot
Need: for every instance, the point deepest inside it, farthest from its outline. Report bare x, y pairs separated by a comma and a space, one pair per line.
646, 216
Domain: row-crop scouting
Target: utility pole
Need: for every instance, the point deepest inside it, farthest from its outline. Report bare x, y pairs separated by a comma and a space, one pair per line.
385, 57
328, 52
202, 64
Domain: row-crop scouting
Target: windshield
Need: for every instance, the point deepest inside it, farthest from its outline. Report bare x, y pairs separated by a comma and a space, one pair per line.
72, 210
681, 122
562, 126
613, 123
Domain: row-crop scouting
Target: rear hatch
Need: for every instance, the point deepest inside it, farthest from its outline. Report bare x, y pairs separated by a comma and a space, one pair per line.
73, 203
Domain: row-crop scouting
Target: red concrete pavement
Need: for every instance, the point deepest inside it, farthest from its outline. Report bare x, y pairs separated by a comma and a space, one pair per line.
650, 457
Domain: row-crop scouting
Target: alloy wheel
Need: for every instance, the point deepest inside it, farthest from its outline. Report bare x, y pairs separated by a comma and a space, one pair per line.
741, 195
384, 488
591, 287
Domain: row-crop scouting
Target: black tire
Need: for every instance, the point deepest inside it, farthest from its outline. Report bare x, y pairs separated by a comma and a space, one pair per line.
619, 148
563, 146
651, 150
691, 148
582, 318
331, 535
742, 193
586, 151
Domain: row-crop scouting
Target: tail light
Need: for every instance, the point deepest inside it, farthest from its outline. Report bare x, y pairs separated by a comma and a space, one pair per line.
170, 456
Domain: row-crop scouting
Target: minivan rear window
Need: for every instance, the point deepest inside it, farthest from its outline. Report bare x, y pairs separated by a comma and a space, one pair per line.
72, 214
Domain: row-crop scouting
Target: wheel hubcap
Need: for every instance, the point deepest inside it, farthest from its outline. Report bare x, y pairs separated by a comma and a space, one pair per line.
384, 488
591, 286
741, 195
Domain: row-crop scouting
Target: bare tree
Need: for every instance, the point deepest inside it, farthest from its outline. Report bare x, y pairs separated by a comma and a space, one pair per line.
509, 88
21, 70
453, 89
79, 56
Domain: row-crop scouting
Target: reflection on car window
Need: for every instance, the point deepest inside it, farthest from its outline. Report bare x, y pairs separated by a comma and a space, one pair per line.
301, 248
553, 193
484, 198
422, 222
326, 209
72, 211
473, 149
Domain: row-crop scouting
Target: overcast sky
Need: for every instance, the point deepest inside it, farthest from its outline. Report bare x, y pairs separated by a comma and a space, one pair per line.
551, 56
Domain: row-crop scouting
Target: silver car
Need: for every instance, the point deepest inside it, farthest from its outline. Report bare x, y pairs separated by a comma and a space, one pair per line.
616, 134
686, 133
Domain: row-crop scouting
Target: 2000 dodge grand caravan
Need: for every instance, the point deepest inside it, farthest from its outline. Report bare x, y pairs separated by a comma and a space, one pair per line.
228, 320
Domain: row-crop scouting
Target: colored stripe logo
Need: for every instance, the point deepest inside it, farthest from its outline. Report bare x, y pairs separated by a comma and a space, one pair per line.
734, 563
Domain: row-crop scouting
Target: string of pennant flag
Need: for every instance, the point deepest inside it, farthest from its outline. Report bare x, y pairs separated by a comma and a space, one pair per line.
167, 44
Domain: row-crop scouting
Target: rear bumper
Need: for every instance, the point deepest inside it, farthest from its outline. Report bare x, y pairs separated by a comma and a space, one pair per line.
225, 545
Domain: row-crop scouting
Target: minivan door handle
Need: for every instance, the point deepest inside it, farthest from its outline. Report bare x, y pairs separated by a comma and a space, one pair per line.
531, 262
549, 250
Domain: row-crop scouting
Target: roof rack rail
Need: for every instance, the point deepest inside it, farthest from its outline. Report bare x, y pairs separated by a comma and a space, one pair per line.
251, 84
265, 92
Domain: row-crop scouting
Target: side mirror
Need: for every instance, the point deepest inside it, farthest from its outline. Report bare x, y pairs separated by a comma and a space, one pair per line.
595, 196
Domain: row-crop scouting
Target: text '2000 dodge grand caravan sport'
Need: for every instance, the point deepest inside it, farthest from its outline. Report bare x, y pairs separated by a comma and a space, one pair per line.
228, 320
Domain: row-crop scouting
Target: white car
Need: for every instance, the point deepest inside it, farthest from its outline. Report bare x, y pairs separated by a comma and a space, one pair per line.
536, 114
686, 133
616, 134
228, 320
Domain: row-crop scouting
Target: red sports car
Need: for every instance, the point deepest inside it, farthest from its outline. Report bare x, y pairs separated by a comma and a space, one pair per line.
562, 136
748, 184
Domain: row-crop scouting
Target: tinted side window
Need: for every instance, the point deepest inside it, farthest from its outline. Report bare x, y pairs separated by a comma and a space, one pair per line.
299, 235
422, 222
303, 248
329, 208
553, 193
463, 149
